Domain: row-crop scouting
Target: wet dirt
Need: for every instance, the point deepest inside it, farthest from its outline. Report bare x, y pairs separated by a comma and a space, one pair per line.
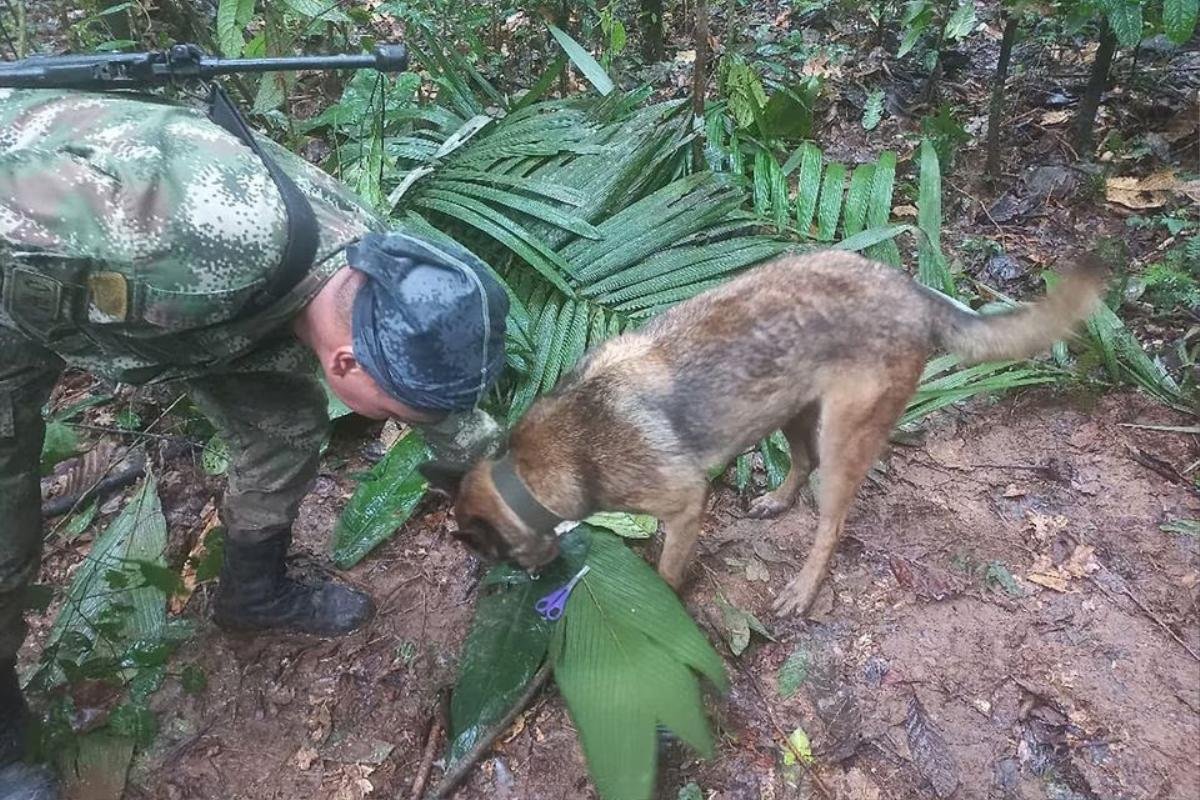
1074, 682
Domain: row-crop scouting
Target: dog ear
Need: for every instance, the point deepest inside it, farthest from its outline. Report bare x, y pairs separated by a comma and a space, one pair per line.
443, 480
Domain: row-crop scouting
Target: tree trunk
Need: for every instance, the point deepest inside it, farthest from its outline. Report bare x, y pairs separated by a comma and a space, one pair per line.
731, 30
652, 30
700, 81
996, 109
1085, 120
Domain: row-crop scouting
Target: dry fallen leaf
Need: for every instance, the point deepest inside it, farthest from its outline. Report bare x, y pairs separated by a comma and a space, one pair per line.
304, 758
905, 211
1153, 191
685, 57
517, 727
1057, 117
1012, 490
1082, 561
1044, 526
209, 519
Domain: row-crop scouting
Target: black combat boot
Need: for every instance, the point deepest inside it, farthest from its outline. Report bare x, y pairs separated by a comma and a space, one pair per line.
255, 593
18, 781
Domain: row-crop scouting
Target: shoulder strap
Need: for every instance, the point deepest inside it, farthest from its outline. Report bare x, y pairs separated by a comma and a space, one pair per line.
300, 249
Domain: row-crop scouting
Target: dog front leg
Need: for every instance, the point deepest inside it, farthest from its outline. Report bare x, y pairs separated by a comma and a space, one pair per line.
681, 530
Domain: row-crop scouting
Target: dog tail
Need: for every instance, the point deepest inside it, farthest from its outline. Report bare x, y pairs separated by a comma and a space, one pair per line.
1025, 330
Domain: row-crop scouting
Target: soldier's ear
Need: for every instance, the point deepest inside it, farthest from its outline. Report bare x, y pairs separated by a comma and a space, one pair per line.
441, 479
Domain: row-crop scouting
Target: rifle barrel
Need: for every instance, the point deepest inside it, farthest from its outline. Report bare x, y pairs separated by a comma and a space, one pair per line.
126, 70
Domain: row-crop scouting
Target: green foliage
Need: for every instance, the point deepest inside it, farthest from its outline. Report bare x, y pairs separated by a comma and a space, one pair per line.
232, 18
590, 68
215, 457
946, 133
383, 501
1125, 19
1173, 284
506, 645
873, 110
951, 20
627, 526
943, 383
60, 443
794, 672
625, 658
1179, 19
625, 655
691, 791
1184, 527
932, 268
112, 629
1123, 358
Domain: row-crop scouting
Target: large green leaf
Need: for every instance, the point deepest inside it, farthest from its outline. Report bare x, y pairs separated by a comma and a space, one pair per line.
625, 657
107, 602
932, 270
1126, 361
857, 199
382, 502
830, 207
589, 66
59, 443
506, 644
1179, 19
809, 187
1125, 19
879, 208
232, 17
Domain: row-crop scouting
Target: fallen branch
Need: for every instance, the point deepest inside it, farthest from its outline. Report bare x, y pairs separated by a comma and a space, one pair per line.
465, 764
58, 506
1150, 615
438, 722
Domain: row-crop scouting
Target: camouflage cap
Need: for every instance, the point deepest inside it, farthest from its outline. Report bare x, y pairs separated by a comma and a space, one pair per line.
428, 323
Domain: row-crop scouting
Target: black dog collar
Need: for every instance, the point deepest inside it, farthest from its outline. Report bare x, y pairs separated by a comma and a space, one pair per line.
517, 496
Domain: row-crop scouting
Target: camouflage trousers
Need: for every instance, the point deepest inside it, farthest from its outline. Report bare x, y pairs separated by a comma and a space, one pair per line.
274, 425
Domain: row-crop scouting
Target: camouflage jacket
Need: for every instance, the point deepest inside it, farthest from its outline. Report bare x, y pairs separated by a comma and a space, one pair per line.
132, 229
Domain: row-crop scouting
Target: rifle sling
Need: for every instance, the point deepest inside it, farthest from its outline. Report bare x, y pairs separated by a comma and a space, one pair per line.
300, 249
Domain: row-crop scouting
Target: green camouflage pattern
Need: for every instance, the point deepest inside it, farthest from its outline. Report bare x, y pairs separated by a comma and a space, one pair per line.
180, 209
157, 225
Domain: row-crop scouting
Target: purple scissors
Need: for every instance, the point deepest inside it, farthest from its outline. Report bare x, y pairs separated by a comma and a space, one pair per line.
551, 606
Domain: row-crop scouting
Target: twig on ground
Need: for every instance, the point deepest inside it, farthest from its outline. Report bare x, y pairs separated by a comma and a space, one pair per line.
438, 721
58, 506
464, 765
1149, 615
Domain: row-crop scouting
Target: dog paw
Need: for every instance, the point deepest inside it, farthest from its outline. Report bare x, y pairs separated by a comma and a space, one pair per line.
768, 506
796, 598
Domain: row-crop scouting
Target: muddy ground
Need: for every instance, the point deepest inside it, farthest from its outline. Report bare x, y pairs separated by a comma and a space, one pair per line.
1075, 681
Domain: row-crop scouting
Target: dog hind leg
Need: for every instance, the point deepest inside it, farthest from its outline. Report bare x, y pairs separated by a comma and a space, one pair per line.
855, 424
801, 434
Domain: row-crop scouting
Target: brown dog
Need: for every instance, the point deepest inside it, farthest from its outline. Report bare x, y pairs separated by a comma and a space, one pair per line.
827, 347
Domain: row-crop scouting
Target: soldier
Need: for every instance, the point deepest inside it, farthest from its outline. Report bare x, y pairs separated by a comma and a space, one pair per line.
142, 242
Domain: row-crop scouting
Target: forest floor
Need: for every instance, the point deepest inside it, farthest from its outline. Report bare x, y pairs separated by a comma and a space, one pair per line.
1005, 586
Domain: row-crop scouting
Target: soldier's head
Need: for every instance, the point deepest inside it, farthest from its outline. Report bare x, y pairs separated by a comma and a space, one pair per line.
419, 329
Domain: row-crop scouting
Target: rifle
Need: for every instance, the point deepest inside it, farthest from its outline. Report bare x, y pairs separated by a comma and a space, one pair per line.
178, 63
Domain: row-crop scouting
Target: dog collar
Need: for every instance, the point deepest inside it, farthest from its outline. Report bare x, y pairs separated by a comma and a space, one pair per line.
516, 495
